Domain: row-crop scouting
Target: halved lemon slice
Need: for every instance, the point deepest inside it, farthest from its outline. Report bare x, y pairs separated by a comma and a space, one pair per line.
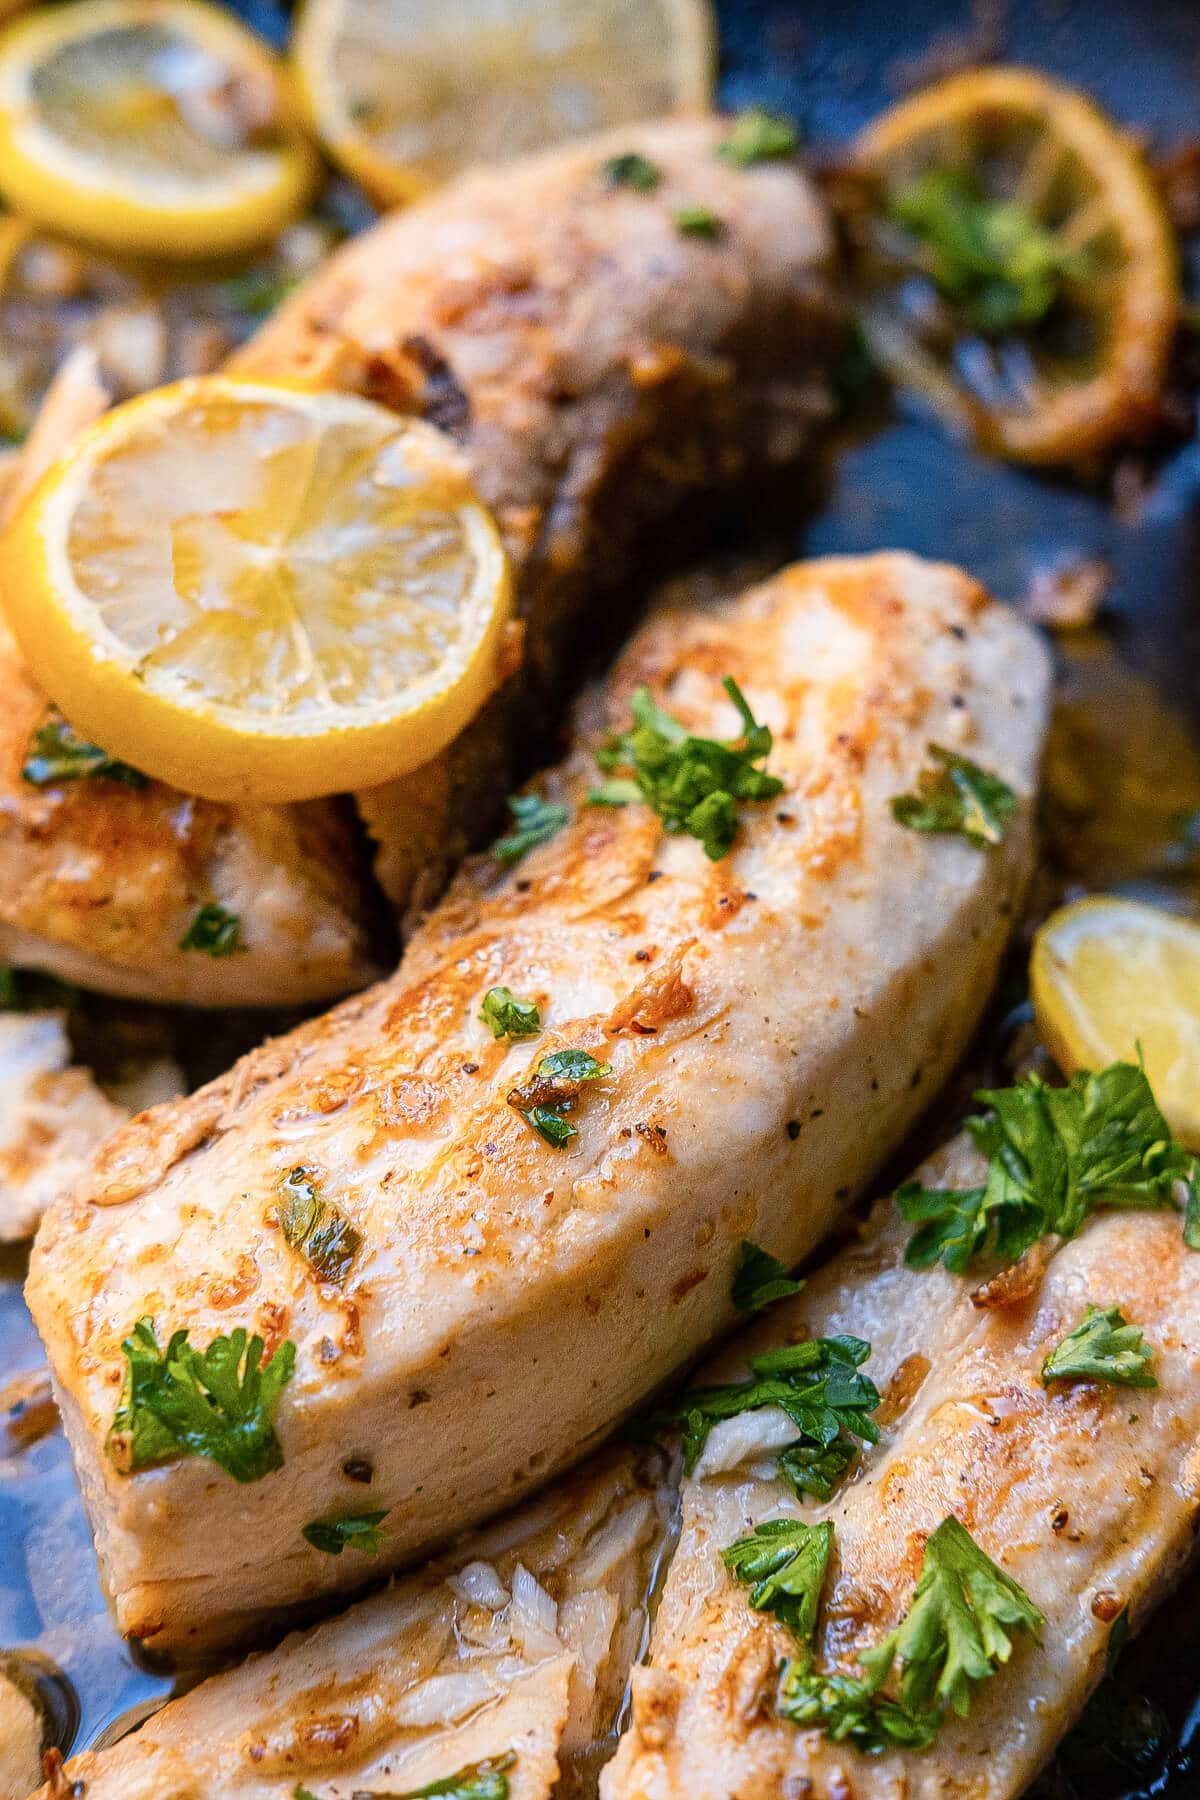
405, 92
259, 593
1022, 268
157, 127
1109, 975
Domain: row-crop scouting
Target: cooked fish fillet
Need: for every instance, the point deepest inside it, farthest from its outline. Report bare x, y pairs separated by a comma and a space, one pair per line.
603, 370
1087, 1494
20, 1741
518, 1644
773, 1022
52, 1117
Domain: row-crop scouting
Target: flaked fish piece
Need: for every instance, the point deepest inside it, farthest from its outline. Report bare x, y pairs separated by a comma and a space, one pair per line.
771, 1023
1085, 1493
515, 1650
52, 1118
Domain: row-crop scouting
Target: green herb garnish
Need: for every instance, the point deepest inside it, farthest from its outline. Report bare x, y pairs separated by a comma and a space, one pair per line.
256, 293
552, 1090
990, 259
758, 136
698, 221
355, 1531
958, 796
508, 1016
1055, 1155
783, 1562
216, 1402
760, 1279
215, 931
57, 753
487, 1780
1102, 1347
632, 170
536, 821
322, 1234
694, 784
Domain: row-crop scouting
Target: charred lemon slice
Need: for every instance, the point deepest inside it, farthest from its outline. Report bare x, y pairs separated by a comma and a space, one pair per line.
1110, 976
403, 95
157, 127
258, 593
1021, 268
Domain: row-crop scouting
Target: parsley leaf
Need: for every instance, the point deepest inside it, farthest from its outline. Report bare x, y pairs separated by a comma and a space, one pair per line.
958, 796
357, 1531
692, 783
816, 1383
536, 821
990, 259
215, 931
758, 136
783, 1563
760, 1279
816, 1470
1055, 1155
552, 1090
508, 1016
632, 170
698, 221
216, 1402
57, 753
323, 1235
847, 1708
487, 1780
1102, 1347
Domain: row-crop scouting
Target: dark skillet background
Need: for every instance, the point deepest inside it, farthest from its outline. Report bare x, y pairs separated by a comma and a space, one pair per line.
832, 64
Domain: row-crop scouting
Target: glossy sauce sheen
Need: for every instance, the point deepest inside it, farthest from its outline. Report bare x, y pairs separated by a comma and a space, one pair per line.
773, 1022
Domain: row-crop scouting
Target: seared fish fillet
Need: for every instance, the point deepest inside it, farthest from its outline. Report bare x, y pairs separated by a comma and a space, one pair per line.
602, 369
1087, 1494
52, 1117
518, 1645
773, 1021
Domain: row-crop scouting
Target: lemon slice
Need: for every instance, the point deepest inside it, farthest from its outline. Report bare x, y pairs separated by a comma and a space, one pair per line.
1022, 268
404, 95
1110, 974
157, 127
258, 593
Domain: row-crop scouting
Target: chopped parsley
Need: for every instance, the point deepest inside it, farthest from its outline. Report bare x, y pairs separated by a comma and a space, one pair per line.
487, 1780
783, 1563
552, 1091
760, 1279
990, 259
959, 1628
957, 796
694, 784
535, 821
509, 1016
321, 1234
215, 931
256, 293
816, 1383
57, 753
758, 136
698, 221
1102, 1347
355, 1531
632, 170
1055, 1155
216, 1402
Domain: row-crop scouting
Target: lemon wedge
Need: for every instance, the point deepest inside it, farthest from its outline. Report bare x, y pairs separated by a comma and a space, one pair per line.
259, 593
156, 127
1108, 975
405, 95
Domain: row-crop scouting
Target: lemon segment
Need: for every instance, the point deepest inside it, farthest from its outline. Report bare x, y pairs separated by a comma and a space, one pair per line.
152, 127
404, 95
1108, 975
257, 593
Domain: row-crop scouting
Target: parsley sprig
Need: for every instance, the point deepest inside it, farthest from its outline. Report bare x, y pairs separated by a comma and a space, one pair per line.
535, 821
957, 796
486, 1780
57, 753
216, 1402
783, 1563
760, 1279
1055, 1155
317, 1230
508, 1016
758, 136
1102, 1347
353, 1531
694, 784
552, 1091
215, 931
632, 170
